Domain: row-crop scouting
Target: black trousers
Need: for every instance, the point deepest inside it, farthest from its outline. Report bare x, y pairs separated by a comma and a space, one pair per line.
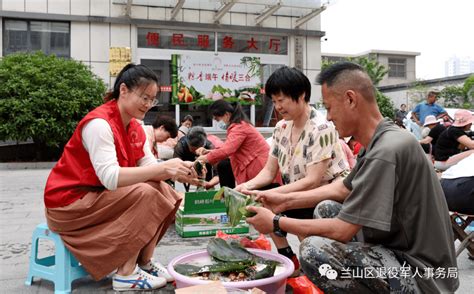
459, 194
226, 176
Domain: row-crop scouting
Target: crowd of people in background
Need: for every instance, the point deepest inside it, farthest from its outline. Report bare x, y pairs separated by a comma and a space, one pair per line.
446, 140
340, 182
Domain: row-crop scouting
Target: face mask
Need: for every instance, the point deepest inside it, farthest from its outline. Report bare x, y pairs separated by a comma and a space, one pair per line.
222, 125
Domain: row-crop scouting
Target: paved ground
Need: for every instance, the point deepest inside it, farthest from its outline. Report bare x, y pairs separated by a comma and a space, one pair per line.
21, 206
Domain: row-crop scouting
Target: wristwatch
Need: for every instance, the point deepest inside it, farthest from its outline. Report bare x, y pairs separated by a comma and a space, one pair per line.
276, 226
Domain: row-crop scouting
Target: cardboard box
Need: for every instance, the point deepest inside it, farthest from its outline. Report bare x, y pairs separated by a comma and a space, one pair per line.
202, 216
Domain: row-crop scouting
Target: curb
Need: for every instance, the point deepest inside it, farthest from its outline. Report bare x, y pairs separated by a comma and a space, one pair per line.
26, 165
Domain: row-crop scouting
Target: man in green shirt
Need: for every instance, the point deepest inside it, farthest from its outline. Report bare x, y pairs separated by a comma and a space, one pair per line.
392, 200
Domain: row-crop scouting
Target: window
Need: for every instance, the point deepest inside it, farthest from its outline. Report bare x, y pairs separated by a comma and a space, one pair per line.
27, 36
397, 67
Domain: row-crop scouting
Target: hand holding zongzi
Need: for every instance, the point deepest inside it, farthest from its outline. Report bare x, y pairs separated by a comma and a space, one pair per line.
262, 220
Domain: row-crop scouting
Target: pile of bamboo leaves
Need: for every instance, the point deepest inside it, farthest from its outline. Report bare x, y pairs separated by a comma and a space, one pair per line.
230, 261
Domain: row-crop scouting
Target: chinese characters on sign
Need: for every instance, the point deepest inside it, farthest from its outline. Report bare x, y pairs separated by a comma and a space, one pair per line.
299, 53
204, 78
252, 43
205, 41
119, 57
182, 40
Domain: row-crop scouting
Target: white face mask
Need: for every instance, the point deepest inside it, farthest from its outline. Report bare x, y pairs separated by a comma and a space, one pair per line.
222, 125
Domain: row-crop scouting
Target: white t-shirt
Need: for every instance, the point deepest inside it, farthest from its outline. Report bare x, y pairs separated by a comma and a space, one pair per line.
464, 168
98, 140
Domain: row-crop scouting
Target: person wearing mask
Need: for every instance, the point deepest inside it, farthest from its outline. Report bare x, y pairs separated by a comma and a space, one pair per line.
454, 144
106, 197
162, 129
386, 203
244, 145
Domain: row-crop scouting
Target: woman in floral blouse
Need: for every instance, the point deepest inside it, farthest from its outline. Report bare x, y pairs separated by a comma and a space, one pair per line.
305, 147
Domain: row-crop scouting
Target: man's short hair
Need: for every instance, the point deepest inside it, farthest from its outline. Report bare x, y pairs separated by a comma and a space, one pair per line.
196, 137
289, 81
168, 123
330, 75
348, 74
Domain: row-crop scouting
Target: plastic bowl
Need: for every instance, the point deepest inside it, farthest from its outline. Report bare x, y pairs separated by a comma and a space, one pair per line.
275, 284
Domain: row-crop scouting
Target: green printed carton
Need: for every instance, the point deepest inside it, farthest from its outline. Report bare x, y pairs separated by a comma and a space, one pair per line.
202, 216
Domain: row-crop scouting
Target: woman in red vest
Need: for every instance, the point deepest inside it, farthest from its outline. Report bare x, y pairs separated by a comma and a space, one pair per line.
106, 196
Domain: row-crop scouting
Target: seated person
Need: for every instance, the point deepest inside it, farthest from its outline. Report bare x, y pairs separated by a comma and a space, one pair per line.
244, 145
348, 155
106, 196
435, 130
392, 198
413, 127
162, 129
354, 146
305, 148
454, 140
458, 186
186, 148
167, 146
186, 124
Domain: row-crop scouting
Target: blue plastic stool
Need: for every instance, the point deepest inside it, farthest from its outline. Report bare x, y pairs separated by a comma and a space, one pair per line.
61, 268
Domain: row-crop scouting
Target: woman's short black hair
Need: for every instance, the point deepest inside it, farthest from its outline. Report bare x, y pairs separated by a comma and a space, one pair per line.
289, 81
168, 123
133, 76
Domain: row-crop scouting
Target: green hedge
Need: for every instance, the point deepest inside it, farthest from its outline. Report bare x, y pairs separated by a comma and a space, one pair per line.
44, 97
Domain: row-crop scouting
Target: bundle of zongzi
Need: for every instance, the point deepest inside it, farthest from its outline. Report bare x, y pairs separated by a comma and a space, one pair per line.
236, 203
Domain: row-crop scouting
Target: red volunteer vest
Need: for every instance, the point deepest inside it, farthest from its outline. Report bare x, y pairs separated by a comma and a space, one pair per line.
74, 176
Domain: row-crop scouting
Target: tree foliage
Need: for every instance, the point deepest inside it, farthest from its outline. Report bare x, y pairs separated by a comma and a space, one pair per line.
459, 96
376, 72
44, 97
469, 91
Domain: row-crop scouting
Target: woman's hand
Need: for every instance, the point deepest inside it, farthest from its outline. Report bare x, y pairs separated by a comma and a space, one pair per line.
202, 151
243, 188
202, 158
176, 168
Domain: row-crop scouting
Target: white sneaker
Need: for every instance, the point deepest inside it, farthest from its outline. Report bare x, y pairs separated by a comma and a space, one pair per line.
158, 270
138, 280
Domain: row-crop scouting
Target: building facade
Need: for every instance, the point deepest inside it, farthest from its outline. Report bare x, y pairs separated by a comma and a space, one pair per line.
106, 34
401, 65
458, 66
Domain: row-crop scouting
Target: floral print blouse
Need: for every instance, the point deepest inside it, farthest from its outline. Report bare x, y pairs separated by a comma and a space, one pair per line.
318, 141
